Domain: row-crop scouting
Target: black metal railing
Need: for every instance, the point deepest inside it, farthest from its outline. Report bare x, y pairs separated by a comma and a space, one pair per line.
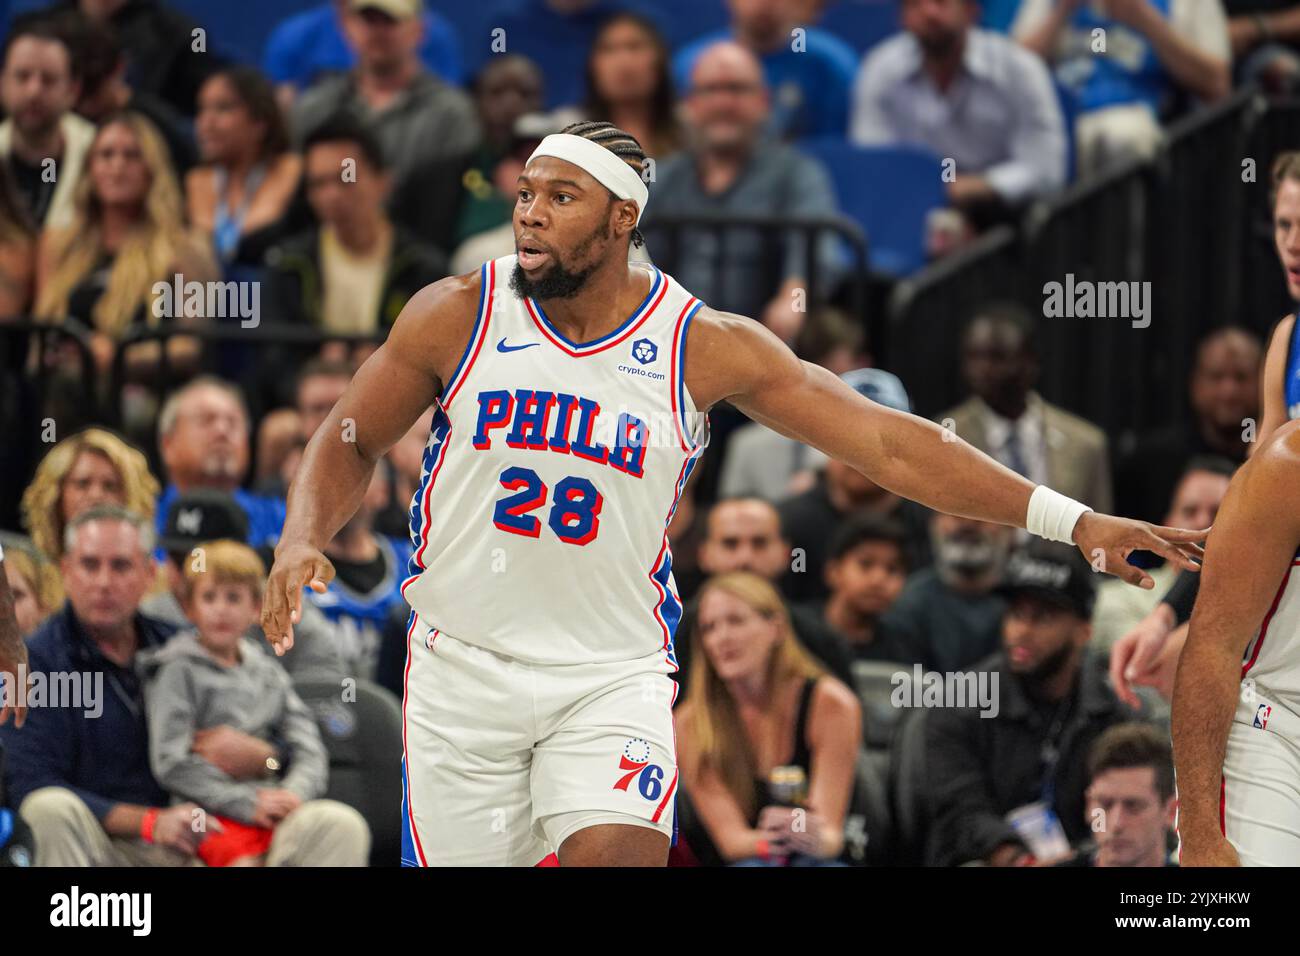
1181, 222
1193, 222
733, 261
48, 389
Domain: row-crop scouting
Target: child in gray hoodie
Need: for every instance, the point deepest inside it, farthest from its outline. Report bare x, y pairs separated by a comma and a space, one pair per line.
213, 676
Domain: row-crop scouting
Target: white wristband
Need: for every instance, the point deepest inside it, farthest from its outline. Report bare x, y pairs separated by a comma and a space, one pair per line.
1052, 515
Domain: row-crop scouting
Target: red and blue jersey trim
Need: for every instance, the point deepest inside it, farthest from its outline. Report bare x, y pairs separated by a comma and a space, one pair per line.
435, 453
486, 294
677, 389
658, 287
1258, 644
667, 610
412, 850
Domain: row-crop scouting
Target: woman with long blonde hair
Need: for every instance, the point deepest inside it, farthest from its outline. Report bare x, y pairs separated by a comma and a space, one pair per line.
89, 468
34, 581
128, 234
758, 702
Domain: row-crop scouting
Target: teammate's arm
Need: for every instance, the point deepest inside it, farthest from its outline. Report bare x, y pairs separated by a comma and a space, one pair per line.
734, 358
388, 393
1273, 400
1249, 551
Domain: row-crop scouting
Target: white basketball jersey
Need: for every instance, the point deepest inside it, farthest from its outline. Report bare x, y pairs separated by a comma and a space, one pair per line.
1272, 659
552, 471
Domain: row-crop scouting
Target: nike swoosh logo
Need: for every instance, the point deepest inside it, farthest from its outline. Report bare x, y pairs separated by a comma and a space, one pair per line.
502, 347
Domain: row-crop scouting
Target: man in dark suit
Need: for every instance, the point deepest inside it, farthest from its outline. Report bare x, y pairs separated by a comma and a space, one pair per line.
1006, 419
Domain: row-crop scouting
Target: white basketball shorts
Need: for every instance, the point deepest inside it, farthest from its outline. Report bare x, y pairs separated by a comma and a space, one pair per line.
1260, 803
505, 759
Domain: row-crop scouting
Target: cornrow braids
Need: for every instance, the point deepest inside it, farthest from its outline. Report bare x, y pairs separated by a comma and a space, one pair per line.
619, 142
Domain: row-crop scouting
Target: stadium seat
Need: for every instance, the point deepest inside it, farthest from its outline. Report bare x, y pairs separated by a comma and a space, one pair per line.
868, 829
364, 740
861, 23
874, 682
909, 812
888, 191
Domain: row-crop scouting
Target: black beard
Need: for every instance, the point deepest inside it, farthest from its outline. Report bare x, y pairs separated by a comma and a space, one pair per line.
1049, 666
557, 283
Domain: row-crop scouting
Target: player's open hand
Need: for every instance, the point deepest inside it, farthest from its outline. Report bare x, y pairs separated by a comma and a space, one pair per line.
296, 567
1107, 541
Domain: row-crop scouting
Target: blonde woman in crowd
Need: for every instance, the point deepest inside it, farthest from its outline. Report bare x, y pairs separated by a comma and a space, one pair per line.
89, 468
128, 234
34, 582
758, 707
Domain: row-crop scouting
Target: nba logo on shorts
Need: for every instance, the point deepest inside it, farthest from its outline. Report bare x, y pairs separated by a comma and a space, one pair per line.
644, 351
1261, 716
636, 760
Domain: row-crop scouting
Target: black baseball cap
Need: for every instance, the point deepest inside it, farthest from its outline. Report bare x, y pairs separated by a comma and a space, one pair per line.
204, 514
1052, 573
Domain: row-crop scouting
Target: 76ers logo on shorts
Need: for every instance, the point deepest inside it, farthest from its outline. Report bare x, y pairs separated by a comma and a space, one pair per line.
636, 761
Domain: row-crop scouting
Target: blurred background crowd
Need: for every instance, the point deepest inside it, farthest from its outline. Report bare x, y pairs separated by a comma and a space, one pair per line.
885, 184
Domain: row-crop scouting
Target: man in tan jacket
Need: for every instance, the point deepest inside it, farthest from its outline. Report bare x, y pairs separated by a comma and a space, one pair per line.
1006, 419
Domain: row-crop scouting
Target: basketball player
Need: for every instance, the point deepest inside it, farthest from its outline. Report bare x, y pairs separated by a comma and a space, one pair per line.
1236, 716
1136, 657
571, 387
1281, 384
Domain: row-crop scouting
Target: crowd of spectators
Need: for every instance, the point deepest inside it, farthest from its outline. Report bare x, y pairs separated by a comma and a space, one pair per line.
374, 151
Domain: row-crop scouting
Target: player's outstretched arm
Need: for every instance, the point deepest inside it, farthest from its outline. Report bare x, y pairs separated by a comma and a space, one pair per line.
734, 358
389, 392
1248, 553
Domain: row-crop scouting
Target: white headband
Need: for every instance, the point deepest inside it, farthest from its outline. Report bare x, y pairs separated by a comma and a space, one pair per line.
605, 167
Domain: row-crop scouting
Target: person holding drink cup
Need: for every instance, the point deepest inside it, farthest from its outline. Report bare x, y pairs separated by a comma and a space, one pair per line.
767, 741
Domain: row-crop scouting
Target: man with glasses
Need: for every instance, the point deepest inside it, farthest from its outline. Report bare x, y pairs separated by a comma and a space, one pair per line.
729, 167
203, 439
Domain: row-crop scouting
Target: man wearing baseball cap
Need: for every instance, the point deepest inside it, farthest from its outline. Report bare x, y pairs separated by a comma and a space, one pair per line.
1008, 779
416, 117
203, 515
811, 519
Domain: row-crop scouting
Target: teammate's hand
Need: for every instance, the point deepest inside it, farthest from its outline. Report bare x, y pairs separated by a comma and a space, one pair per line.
296, 567
1134, 655
1214, 850
1107, 541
